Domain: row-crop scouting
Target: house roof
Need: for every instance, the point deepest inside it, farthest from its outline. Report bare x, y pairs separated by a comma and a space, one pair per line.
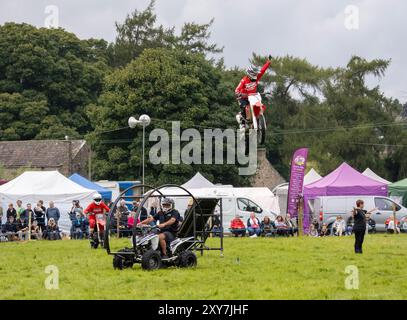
37, 153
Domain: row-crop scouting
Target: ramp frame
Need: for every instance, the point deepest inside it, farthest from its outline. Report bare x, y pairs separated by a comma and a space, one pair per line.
198, 221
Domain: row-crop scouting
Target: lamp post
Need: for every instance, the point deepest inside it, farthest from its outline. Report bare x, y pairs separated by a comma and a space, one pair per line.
143, 121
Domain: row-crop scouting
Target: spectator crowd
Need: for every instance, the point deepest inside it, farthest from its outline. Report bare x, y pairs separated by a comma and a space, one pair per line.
41, 223
281, 226
287, 226
24, 222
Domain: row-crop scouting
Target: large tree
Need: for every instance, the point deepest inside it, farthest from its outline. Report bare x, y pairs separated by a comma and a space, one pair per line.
47, 77
168, 85
335, 114
140, 31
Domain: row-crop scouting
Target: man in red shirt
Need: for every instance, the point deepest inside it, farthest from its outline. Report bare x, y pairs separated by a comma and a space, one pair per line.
237, 226
248, 86
96, 207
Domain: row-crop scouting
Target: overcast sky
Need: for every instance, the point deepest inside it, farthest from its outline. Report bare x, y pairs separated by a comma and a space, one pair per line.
313, 29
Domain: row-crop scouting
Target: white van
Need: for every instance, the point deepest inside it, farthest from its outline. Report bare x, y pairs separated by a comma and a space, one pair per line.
235, 201
243, 206
327, 208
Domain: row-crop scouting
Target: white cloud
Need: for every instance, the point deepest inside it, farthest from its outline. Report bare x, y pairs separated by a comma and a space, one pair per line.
313, 29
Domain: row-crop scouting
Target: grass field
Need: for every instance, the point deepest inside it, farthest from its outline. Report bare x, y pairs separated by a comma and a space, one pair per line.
282, 268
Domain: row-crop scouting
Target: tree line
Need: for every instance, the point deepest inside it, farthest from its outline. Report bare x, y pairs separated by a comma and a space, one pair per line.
53, 85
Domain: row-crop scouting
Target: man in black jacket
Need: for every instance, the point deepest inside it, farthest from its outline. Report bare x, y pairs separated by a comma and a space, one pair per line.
359, 226
22, 229
39, 215
25, 215
10, 228
168, 219
143, 211
11, 212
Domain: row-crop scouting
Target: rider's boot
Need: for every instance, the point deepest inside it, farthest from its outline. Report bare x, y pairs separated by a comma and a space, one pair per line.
240, 120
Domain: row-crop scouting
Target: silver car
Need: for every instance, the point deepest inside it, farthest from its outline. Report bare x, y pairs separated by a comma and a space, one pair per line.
325, 209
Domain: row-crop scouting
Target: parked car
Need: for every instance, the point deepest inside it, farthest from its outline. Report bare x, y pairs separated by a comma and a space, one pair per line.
327, 208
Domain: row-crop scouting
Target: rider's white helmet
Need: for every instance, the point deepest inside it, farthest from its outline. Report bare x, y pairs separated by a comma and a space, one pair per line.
167, 204
252, 72
97, 198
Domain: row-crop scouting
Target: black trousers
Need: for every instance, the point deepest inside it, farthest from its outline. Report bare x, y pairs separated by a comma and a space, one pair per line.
359, 237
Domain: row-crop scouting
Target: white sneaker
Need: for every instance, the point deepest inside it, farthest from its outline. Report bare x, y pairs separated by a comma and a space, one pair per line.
239, 118
253, 236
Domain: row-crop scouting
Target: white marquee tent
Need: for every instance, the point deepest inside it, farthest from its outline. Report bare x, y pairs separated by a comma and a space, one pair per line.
311, 177
371, 174
32, 186
198, 181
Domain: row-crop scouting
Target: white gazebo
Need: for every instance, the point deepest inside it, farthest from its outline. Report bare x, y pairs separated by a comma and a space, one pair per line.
371, 174
32, 186
198, 181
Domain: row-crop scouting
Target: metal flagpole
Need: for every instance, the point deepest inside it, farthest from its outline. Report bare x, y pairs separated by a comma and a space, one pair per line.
144, 134
144, 121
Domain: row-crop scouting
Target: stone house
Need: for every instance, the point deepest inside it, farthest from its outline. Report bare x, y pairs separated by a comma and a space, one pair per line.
66, 156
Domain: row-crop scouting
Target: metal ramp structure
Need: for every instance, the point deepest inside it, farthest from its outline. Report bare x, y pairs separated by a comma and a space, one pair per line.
197, 223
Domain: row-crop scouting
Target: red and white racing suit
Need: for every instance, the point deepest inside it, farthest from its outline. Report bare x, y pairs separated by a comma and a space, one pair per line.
92, 210
248, 87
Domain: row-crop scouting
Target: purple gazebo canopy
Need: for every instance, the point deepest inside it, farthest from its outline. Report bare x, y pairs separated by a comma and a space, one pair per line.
345, 181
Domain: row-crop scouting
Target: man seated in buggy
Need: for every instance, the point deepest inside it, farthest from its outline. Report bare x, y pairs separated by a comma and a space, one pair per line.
168, 219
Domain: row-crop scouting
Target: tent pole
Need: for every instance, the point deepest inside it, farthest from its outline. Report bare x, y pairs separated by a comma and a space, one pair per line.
29, 226
300, 216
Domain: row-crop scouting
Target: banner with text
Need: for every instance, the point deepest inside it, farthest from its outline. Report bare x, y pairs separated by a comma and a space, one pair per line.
298, 165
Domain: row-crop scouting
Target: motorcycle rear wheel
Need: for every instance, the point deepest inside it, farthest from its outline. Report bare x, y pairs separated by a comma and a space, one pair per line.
261, 131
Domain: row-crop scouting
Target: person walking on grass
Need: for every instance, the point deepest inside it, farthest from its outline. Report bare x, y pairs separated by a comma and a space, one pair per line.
359, 226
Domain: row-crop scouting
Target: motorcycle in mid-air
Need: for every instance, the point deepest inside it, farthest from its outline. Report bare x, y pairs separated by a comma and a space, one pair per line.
255, 119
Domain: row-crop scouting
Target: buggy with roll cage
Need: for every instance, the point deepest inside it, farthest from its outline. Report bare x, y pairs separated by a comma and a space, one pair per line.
195, 229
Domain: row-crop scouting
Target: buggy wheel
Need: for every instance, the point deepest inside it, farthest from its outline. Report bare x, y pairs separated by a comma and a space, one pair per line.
187, 259
118, 262
151, 260
261, 131
124, 261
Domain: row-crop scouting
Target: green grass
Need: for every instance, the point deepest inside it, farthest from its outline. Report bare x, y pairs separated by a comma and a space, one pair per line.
282, 268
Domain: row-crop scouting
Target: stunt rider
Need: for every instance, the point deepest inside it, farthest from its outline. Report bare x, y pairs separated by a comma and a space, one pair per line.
96, 207
168, 219
248, 86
